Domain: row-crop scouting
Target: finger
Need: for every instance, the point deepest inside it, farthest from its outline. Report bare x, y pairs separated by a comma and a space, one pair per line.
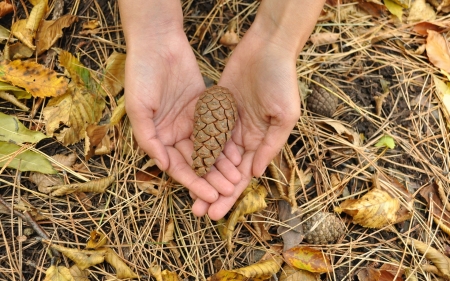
220, 182
183, 173
193, 196
271, 144
232, 152
200, 208
219, 208
229, 171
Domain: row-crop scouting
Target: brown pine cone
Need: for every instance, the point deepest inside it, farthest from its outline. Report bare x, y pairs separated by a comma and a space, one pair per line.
215, 116
322, 228
321, 101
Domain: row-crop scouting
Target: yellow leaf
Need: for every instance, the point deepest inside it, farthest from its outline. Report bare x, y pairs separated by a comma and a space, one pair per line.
165, 275
97, 186
83, 258
11, 130
262, 269
118, 112
251, 200
443, 91
114, 78
78, 274
36, 15
421, 11
439, 260
292, 274
50, 31
438, 51
22, 33
96, 240
35, 78
375, 209
307, 258
122, 269
60, 273
394, 8
75, 109
77, 71
226, 275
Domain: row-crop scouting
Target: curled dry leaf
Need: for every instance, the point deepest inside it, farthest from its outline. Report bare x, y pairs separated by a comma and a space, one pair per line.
348, 133
150, 177
374, 274
441, 262
422, 28
6, 8
259, 225
50, 31
324, 38
96, 240
440, 215
165, 275
97, 186
262, 269
252, 200
437, 50
122, 269
114, 78
25, 29
76, 70
82, 258
376, 10
167, 235
118, 112
78, 274
12, 99
290, 228
33, 77
307, 258
91, 24
290, 273
96, 138
394, 8
375, 209
60, 273
421, 11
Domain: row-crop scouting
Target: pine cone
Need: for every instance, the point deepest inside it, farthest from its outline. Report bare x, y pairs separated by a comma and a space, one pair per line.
321, 101
322, 228
215, 116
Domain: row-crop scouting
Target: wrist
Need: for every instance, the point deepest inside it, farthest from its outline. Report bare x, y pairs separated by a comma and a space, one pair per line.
287, 23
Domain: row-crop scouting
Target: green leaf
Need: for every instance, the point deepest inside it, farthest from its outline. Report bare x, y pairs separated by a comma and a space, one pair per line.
17, 92
386, 141
11, 130
394, 8
24, 161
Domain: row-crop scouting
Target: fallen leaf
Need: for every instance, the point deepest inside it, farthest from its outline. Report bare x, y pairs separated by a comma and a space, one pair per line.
262, 269
165, 275
5, 35
167, 235
25, 29
443, 93
386, 141
35, 78
324, 38
375, 209
96, 240
438, 51
90, 24
122, 269
75, 109
394, 8
421, 11
16, 157
60, 273
19, 30
342, 130
94, 136
290, 228
18, 92
118, 112
376, 10
6, 8
114, 78
82, 258
12, 99
78, 274
76, 70
97, 186
13, 131
437, 258
422, 28
307, 258
259, 225
19, 50
226, 275
251, 200
290, 273
50, 31
149, 177
436, 206
374, 274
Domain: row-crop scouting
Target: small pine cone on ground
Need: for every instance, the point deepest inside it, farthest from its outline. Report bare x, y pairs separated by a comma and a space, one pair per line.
322, 228
321, 101
215, 116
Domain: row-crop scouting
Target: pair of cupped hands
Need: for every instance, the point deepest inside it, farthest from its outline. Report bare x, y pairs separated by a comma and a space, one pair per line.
162, 85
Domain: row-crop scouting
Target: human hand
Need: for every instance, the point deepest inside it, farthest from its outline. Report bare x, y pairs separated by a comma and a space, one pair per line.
162, 85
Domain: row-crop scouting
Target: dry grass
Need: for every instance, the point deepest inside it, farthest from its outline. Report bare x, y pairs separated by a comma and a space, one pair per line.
134, 221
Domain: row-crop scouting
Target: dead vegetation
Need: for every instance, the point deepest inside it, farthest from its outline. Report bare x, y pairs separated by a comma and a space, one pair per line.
386, 144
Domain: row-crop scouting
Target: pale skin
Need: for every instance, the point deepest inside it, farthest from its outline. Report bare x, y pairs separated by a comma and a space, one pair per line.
163, 82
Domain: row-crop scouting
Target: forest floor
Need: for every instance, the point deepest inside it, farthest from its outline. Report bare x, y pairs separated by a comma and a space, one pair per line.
379, 165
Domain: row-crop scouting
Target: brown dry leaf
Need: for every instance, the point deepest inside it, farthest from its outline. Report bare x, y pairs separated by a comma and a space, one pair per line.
290, 228
374, 274
6, 8
95, 136
91, 24
114, 78
441, 262
167, 235
307, 258
96, 240
292, 274
20, 30
342, 130
324, 38
262, 269
97, 186
25, 29
19, 50
165, 275
422, 28
75, 109
376, 10
60, 273
122, 269
437, 50
33, 77
252, 200
50, 31
83, 258
259, 225
440, 215
78, 274
375, 209
149, 178
421, 11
